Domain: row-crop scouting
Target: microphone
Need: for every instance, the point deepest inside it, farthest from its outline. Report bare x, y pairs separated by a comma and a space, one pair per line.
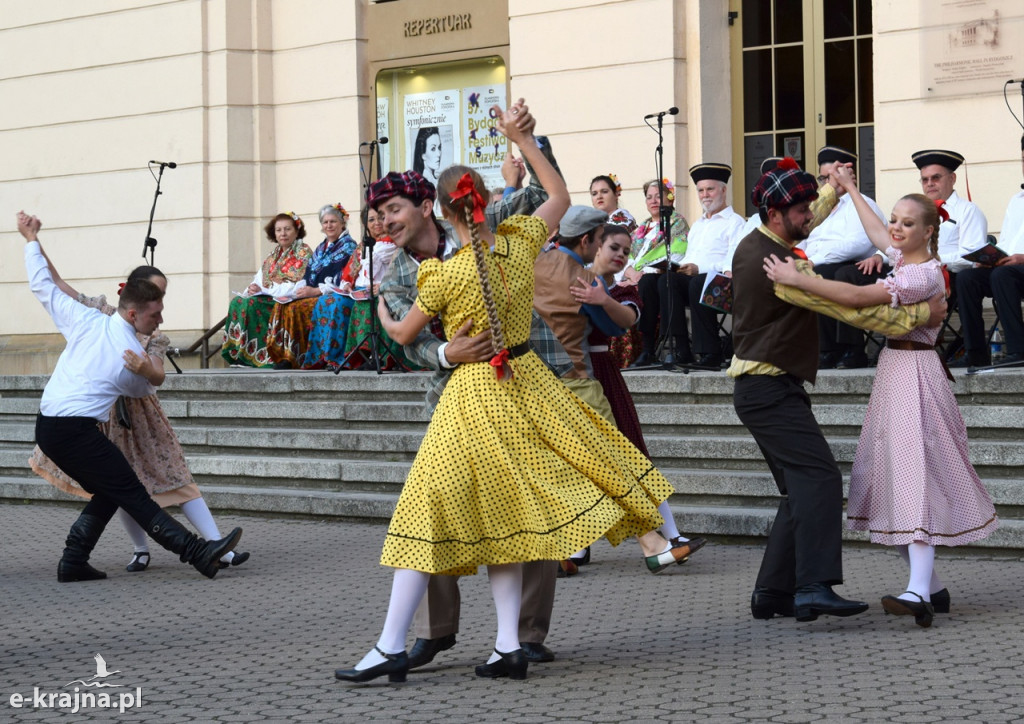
168, 164
1015, 80
382, 141
670, 112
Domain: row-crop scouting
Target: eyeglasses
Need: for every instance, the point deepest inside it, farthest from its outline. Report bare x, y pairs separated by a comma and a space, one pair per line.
933, 179
822, 179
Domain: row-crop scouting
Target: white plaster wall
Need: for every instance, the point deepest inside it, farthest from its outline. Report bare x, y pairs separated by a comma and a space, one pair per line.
591, 72
257, 101
976, 125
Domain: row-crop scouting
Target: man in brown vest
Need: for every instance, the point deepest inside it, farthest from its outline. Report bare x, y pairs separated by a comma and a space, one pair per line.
775, 335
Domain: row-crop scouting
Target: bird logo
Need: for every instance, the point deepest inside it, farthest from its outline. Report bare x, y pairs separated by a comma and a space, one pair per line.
101, 673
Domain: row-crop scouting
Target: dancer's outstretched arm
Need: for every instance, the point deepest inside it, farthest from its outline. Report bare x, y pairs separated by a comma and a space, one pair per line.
510, 123
849, 295
29, 227
873, 226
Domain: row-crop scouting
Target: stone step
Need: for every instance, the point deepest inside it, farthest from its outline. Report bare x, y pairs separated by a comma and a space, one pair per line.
696, 486
724, 521
320, 444
1004, 387
992, 458
676, 417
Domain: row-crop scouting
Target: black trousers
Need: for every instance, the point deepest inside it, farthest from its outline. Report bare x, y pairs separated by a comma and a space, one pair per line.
805, 542
703, 320
1005, 284
78, 448
659, 291
649, 288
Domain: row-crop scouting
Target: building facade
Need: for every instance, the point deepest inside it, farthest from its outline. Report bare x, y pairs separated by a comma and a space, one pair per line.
265, 105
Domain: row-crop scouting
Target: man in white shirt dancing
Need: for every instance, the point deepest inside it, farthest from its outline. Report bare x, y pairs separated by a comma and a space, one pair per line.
100, 363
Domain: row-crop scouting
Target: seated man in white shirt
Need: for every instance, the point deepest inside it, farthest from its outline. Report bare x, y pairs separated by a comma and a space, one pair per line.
840, 240
1004, 283
706, 247
103, 360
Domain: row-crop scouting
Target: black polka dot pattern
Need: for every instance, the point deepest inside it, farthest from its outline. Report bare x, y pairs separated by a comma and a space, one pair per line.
514, 470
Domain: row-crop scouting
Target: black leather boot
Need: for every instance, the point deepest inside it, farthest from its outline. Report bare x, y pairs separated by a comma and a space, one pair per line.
202, 554
74, 564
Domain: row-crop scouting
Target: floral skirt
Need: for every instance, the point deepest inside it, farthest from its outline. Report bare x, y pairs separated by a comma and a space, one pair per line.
288, 335
625, 349
328, 326
392, 355
245, 332
150, 447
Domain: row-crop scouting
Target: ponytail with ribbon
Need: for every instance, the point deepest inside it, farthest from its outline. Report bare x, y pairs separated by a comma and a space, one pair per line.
472, 209
466, 188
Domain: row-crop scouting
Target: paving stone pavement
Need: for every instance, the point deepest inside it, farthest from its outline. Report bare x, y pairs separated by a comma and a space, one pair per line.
261, 641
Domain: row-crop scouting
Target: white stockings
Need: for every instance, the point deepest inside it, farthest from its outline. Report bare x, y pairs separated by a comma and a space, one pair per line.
923, 579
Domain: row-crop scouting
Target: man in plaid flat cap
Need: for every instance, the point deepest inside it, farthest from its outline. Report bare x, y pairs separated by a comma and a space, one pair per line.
775, 335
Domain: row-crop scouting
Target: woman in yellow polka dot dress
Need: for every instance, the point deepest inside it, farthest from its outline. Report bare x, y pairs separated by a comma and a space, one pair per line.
513, 467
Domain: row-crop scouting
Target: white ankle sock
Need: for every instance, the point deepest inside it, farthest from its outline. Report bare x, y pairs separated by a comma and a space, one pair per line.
199, 515
135, 532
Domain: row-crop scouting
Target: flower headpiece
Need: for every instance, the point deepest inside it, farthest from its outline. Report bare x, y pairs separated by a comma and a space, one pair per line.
341, 210
670, 189
120, 288
615, 180
295, 218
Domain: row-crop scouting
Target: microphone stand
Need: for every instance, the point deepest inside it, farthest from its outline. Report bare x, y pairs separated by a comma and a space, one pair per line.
150, 242
668, 340
372, 337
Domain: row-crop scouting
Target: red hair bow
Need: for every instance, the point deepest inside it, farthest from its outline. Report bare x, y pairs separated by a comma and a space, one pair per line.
120, 288
466, 187
940, 207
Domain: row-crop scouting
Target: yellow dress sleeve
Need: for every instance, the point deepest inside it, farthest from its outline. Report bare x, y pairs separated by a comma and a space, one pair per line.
530, 229
432, 296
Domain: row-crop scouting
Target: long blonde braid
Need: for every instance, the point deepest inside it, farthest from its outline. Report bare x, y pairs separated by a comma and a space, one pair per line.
480, 255
446, 184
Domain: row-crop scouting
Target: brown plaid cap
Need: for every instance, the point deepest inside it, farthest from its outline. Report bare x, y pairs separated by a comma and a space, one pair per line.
783, 186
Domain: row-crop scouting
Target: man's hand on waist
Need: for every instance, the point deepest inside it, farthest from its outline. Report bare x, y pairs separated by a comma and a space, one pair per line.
462, 348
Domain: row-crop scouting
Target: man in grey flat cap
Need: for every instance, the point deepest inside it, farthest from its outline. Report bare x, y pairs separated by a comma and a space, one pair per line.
555, 272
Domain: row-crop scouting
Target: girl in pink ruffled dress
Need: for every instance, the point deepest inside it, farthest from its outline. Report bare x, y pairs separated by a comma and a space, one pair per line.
912, 484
